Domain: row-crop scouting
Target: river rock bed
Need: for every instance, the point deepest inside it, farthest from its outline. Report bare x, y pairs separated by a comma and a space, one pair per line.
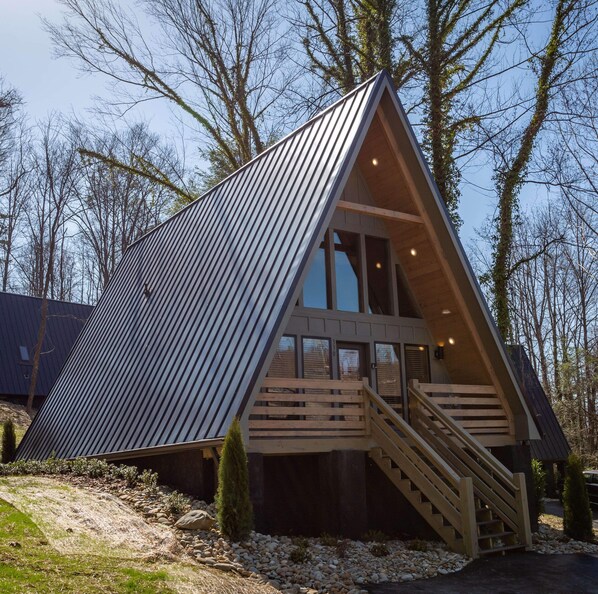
340, 568
550, 539
322, 565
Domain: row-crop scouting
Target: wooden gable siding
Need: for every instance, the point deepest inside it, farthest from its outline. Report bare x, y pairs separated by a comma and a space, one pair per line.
424, 272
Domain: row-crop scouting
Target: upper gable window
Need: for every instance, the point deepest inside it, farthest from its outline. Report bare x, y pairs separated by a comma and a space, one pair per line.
346, 268
315, 288
408, 307
378, 275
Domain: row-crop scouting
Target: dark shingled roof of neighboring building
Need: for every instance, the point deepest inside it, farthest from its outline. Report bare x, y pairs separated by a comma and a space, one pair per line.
19, 325
553, 446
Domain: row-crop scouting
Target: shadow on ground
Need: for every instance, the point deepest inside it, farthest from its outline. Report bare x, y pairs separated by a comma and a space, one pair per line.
523, 573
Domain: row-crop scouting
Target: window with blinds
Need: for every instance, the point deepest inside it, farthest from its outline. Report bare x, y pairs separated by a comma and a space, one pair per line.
316, 358
388, 374
417, 363
284, 363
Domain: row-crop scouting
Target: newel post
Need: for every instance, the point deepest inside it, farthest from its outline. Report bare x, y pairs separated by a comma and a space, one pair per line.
468, 518
524, 525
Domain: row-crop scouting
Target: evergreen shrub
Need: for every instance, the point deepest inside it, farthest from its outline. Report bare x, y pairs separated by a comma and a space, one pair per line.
9, 442
577, 516
235, 513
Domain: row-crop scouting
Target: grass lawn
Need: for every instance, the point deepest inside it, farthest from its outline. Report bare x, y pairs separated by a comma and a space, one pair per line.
29, 564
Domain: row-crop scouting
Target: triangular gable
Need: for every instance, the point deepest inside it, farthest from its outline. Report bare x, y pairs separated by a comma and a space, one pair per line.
177, 341
184, 334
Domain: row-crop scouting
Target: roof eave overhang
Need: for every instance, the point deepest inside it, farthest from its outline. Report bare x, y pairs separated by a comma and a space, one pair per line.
525, 427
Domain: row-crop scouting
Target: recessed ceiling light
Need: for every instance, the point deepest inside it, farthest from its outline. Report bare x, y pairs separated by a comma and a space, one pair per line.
451, 340
378, 265
446, 312
375, 162
422, 348
413, 252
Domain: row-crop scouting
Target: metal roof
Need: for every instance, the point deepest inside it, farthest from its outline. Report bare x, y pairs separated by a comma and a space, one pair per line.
180, 338
553, 446
19, 325
175, 345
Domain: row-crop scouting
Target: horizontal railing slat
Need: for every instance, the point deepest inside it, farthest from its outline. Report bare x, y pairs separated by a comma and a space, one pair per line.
311, 384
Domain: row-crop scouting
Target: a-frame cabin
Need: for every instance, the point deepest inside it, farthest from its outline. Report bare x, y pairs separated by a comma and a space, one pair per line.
320, 293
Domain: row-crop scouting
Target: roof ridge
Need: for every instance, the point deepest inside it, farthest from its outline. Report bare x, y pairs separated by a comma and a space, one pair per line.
8, 293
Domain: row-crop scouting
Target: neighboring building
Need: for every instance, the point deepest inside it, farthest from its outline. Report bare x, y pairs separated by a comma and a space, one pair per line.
552, 449
328, 259
19, 325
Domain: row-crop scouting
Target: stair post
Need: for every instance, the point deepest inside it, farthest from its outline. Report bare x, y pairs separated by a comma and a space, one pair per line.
468, 517
523, 525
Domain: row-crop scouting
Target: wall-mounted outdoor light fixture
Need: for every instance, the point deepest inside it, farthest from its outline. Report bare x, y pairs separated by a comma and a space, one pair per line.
439, 353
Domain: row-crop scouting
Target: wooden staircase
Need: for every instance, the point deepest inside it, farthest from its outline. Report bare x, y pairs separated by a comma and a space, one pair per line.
475, 504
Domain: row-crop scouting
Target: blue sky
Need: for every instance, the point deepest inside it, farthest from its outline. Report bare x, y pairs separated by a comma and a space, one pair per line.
50, 84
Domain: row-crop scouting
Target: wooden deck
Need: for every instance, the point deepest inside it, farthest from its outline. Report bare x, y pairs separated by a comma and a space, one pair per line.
474, 503
324, 409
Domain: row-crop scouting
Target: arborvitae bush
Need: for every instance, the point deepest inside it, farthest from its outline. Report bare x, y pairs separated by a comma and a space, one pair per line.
235, 513
577, 516
9, 442
539, 480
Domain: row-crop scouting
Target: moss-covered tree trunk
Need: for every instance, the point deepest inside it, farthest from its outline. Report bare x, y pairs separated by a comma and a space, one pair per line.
512, 176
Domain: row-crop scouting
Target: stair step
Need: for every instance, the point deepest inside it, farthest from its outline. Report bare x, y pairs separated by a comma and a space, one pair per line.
495, 535
502, 549
488, 522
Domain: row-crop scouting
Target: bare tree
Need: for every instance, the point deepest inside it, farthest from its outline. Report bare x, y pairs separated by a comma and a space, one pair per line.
13, 194
10, 102
115, 207
348, 41
55, 176
554, 297
220, 64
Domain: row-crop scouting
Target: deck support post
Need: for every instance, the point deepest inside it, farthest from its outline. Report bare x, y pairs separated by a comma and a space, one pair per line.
468, 518
518, 458
525, 531
255, 462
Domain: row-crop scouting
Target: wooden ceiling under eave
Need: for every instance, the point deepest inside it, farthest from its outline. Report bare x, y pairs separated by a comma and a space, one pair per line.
425, 272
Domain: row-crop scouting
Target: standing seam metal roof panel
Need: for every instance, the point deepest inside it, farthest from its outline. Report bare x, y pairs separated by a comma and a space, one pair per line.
176, 366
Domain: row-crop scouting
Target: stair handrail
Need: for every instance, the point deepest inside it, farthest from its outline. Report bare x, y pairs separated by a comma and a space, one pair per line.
463, 436
515, 481
398, 421
463, 485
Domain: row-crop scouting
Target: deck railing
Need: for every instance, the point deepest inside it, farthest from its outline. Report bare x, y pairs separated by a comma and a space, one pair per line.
493, 483
477, 409
309, 408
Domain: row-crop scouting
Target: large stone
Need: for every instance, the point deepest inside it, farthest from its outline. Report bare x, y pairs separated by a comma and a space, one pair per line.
196, 519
